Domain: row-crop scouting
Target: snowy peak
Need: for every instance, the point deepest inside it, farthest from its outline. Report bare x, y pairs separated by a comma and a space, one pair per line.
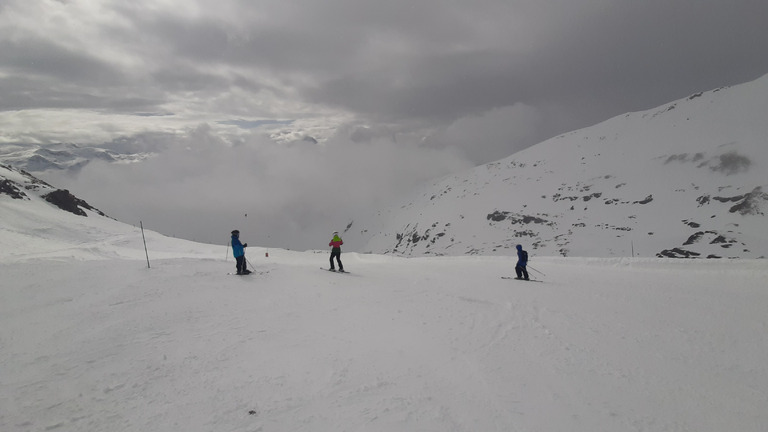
683, 180
13, 183
66, 156
21, 185
40, 221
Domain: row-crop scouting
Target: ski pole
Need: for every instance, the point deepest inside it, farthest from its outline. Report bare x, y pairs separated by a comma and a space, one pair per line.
536, 271
249, 263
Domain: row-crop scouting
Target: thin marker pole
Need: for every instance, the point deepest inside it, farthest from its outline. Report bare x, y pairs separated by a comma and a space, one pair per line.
145, 243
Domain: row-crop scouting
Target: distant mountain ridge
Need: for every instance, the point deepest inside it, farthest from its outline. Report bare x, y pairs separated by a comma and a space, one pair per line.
37, 158
687, 179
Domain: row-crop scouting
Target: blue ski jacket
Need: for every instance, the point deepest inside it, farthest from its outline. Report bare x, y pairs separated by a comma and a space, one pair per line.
522, 256
237, 248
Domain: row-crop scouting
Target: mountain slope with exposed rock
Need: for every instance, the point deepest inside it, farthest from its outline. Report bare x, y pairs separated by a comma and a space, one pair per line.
687, 179
19, 184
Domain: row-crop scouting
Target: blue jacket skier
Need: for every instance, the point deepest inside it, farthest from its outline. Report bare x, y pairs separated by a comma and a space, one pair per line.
238, 250
522, 261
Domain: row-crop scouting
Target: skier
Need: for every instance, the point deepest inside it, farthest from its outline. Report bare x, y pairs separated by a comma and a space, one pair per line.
522, 261
335, 244
238, 250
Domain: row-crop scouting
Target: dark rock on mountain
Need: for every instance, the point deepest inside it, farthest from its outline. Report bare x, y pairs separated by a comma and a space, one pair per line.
9, 188
64, 200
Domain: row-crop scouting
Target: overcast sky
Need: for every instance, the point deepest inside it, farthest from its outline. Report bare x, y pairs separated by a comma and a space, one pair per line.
448, 83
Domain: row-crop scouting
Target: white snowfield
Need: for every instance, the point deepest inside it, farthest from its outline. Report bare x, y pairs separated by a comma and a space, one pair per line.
93, 340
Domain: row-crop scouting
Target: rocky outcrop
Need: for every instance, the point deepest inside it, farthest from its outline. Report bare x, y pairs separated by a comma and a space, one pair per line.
64, 200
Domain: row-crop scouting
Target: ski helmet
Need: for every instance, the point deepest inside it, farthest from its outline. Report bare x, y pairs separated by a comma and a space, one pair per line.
235, 232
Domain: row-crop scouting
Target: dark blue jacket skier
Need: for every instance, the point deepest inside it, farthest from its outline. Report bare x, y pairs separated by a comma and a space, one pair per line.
522, 261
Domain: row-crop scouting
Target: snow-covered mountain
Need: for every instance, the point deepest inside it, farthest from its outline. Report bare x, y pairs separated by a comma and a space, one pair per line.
21, 185
36, 158
40, 221
687, 179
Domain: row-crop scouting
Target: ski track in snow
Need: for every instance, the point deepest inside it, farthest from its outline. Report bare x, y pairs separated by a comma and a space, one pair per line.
407, 344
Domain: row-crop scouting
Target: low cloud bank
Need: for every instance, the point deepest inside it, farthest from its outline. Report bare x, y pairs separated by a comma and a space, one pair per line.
201, 186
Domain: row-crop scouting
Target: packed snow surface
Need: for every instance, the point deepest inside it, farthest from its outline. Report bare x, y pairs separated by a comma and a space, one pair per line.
91, 339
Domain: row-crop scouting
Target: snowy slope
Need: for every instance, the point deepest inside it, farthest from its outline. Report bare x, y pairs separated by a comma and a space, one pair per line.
93, 340
34, 228
685, 179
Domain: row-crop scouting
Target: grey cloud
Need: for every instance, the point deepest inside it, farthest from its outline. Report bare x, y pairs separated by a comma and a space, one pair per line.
634, 47
152, 114
19, 93
252, 124
624, 55
202, 39
442, 87
175, 78
601, 49
146, 142
36, 57
44, 74
398, 67
492, 135
200, 186
627, 56
412, 89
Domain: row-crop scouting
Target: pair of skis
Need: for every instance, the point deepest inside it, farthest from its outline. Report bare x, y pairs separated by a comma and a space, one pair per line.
521, 279
252, 272
334, 270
